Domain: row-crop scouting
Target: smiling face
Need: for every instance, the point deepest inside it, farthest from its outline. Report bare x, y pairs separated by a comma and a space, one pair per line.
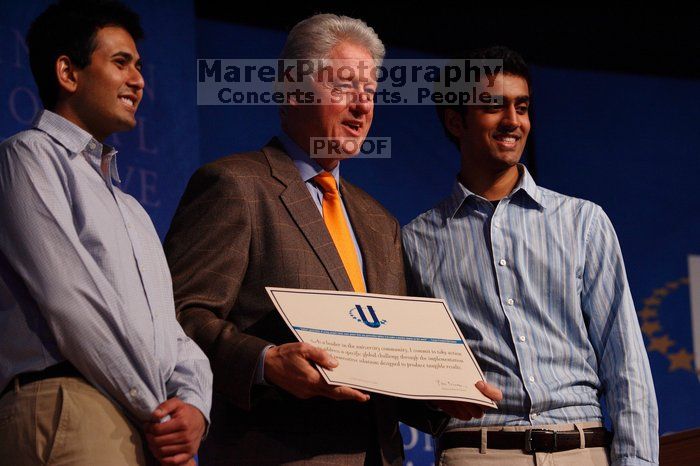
108, 91
493, 137
347, 107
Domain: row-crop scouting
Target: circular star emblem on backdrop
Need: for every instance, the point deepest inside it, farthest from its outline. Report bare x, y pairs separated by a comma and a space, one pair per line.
659, 340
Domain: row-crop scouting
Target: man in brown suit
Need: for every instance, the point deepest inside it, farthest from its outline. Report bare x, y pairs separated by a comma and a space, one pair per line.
256, 219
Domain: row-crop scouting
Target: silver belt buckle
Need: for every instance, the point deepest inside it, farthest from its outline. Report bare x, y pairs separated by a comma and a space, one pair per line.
528, 440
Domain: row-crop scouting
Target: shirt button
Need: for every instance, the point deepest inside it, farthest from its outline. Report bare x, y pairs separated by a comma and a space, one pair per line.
133, 392
532, 379
510, 301
496, 224
92, 145
502, 262
534, 415
522, 338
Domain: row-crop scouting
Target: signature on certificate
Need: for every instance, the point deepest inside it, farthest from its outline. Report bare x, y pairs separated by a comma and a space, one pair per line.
448, 385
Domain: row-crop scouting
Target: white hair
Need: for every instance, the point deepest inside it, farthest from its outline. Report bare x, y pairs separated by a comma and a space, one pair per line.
316, 36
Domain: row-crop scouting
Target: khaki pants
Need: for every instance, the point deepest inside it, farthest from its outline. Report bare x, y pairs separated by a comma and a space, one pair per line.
486, 456
66, 421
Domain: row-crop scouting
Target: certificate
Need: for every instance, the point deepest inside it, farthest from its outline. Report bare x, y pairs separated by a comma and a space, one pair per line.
400, 346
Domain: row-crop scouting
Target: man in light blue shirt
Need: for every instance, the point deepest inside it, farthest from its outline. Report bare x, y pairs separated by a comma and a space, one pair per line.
91, 354
537, 284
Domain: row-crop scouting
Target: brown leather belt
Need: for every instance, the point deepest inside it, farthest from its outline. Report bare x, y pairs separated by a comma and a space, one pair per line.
529, 441
62, 369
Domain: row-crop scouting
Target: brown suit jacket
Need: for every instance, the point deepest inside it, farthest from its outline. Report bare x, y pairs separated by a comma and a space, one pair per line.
245, 222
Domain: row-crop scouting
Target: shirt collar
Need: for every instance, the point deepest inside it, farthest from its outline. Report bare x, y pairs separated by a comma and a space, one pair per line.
308, 167
526, 185
77, 140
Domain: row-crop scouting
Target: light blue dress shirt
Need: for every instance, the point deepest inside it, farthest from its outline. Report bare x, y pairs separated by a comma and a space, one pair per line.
538, 287
83, 276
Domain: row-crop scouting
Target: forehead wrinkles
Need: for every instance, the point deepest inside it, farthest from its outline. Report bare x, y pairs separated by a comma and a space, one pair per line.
355, 69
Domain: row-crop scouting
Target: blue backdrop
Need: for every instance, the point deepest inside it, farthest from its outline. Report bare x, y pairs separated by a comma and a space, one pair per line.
157, 158
623, 141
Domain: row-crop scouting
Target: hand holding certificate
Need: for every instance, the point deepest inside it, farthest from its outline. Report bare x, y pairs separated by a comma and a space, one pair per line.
400, 346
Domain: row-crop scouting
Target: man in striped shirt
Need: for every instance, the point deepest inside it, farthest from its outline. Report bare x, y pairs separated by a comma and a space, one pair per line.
537, 284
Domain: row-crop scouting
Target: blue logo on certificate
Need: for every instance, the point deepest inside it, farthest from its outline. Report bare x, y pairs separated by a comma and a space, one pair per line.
367, 317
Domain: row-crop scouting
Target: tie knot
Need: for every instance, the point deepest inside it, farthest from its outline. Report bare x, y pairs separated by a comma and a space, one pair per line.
327, 183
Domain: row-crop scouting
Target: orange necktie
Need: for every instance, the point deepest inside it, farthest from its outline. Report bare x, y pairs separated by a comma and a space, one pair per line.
338, 228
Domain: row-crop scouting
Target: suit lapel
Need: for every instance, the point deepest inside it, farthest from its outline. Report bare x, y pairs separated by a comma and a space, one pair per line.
302, 209
367, 237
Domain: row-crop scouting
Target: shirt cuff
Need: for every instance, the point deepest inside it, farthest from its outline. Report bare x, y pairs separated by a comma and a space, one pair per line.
259, 377
193, 399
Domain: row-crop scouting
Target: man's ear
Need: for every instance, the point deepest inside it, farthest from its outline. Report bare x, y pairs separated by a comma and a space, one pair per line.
288, 89
66, 73
291, 100
454, 122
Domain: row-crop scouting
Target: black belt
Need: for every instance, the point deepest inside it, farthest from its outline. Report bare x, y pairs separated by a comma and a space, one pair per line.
62, 369
529, 441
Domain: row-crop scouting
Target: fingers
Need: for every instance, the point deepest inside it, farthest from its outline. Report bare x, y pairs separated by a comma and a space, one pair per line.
172, 450
473, 412
176, 460
167, 407
163, 428
489, 391
476, 412
167, 439
461, 410
345, 393
319, 356
467, 411
289, 367
176, 441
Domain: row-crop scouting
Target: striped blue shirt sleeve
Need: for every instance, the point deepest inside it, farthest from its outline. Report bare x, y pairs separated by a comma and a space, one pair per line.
606, 302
